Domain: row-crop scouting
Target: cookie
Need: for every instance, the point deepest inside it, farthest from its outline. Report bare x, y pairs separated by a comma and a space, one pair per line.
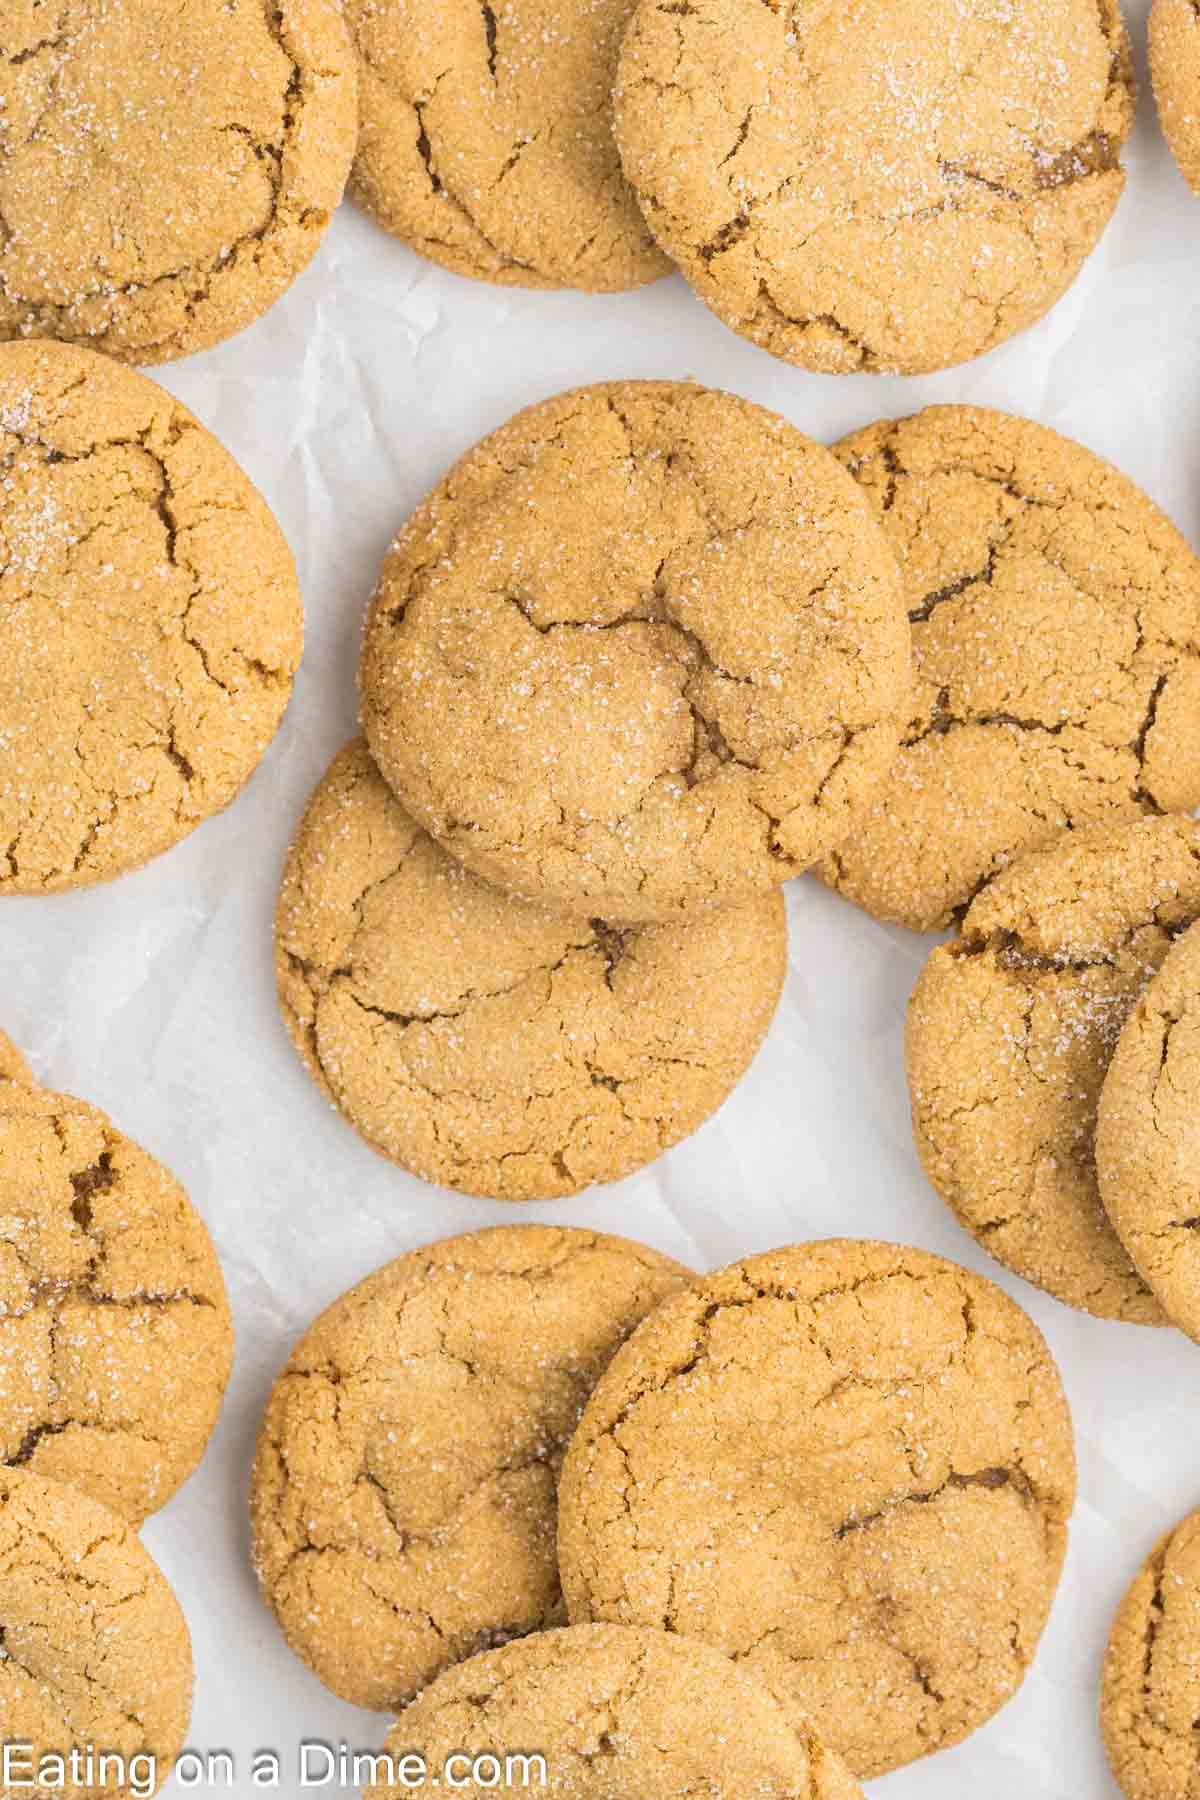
166, 171
1175, 72
150, 620
894, 186
670, 641
488, 1044
1147, 1143
616, 1714
115, 1334
1010, 1033
97, 1658
848, 1465
13, 1066
486, 140
403, 1497
1150, 1685
1056, 626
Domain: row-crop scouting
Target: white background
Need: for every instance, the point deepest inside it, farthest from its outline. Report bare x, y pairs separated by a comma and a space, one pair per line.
153, 997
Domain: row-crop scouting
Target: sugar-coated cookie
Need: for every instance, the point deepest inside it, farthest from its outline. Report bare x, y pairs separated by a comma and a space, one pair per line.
1150, 1687
1175, 72
847, 1464
403, 1496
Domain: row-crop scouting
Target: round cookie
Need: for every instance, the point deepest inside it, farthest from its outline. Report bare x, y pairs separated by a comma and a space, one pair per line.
486, 139
670, 639
1150, 1685
166, 171
1148, 1134
891, 186
1056, 629
96, 1651
403, 1496
13, 1066
1175, 71
617, 1714
115, 1335
847, 1464
485, 1043
150, 620
1010, 1032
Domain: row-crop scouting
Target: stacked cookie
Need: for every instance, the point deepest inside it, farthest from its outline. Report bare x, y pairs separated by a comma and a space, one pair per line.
639, 658
846, 1467
115, 1347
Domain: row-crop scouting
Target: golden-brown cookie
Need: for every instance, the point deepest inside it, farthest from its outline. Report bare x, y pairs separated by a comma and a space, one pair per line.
115, 1335
1150, 1687
893, 185
1175, 72
1010, 1032
403, 1497
150, 620
616, 1714
1056, 628
1148, 1134
486, 139
486, 1043
13, 1066
96, 1651
165, 170
642, 652
847, 1464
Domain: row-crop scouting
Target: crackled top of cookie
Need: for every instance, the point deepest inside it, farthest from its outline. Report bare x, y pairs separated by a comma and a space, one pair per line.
888, 185
486, 139
622, 1714
642, 652
488, 1044
150, 620
1010, 1033
403, 1497
847, 1464
1175, 71
1056, 627
165, 171
96, 1650
115, 1335
1150, 1687
1148, 1134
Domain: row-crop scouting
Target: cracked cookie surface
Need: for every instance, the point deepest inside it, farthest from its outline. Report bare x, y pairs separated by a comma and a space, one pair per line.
165, 171
621, 1714
403, 1496
115, 1333
1055, 615
1150, 1684
1175, 72
485, 1043
96, 1654
1011, 1029
891, 185
1148, 1134
150, 620
486, 140
670, 637
847, 1464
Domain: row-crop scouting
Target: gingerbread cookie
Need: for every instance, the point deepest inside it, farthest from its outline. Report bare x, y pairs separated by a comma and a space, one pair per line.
13, 1066
1056, 627
670, 639
893, 186
165, 171
403, 1497
150, 620
1010, 1032
616, 1714
848, 1465
1148, 1134
1175, 72
1150, 1688
486, 140
115, 1335
486, 1043
97, 1657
